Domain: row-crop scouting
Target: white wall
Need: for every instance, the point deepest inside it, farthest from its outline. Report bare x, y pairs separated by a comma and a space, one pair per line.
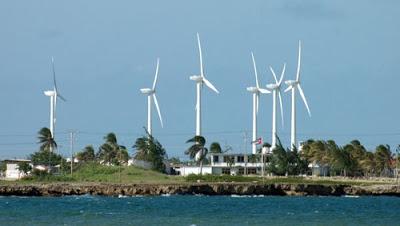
187, 170
13, 172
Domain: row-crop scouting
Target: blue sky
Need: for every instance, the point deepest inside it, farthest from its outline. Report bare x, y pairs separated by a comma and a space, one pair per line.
105, 51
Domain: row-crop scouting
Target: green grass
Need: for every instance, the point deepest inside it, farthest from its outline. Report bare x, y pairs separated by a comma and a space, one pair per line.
279, 180
129, 174
97, 173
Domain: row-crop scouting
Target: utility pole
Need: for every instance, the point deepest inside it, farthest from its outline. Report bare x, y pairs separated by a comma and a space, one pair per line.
72, 134
245, 151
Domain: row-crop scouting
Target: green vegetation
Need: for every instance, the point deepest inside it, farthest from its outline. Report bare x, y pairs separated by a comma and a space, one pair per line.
128, 174
3, 166
46, 158
215, 147
109, 164
197, 151
111, 152
278, 180
46, 140
350, 160
25, 167
286, 162
150, 150
86, 155
94, 172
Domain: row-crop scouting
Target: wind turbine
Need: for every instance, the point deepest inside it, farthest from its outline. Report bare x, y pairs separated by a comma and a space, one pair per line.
151, 94
276, 92
293, 85
54, 95
200, 80
256, 96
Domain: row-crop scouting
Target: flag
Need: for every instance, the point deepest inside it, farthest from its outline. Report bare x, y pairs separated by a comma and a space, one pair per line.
258, 141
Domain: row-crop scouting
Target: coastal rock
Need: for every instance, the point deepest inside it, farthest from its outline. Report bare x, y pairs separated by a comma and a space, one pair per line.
104, 189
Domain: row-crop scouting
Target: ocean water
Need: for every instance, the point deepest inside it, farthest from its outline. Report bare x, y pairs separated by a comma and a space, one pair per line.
199, 210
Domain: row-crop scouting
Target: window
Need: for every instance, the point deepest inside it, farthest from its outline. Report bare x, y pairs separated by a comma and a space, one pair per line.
226, 171
240, 158
251, 171
215, 158
241, 171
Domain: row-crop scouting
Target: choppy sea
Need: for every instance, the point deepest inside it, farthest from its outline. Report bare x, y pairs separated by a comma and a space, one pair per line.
199, 210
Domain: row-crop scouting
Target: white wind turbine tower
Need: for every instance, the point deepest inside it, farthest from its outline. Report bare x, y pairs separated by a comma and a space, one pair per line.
276, 92
200, 79
293, 85
151, 94
54, 95
256, 96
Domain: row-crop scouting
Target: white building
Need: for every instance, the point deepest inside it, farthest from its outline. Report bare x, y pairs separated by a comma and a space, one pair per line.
12, 171
228, 164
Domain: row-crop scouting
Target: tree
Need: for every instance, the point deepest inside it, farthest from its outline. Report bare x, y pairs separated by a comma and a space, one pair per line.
46, 158
197, 151
253, 158
3, 166
86, 155
215, 147
357, 153
383, 158
24, 167
278, 164
367, 164
46, 140
286, 162
230, 160
174, 160
111, 152
149, 149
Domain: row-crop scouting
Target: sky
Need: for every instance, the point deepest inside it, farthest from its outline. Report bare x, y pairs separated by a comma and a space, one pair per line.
105, 51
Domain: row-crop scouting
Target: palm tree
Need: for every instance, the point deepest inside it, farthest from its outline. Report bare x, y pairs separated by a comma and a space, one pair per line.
215, 147
150, 149
197, 151
383, 158
86, 155
46, 140
111, 152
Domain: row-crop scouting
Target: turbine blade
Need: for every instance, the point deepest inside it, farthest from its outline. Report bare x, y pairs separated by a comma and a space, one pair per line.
61, 97
281, 105
158, 109
200, 55
55, 83
298, 63
54, 73
273, 74
264, 91
304, 99
209, 85
282, 74
255, 69
156, 75
288, 88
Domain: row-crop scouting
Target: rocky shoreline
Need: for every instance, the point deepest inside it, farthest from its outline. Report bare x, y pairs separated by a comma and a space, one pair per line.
62, 189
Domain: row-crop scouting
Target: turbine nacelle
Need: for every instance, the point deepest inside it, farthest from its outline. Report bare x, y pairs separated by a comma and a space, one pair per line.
147, 91
253, 89
197, 78
291, 82
49, 93
272, 87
